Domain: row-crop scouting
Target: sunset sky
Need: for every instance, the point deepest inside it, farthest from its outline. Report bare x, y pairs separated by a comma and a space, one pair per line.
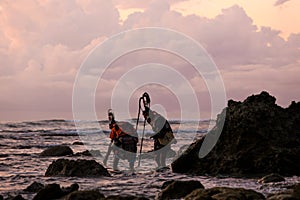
254, 43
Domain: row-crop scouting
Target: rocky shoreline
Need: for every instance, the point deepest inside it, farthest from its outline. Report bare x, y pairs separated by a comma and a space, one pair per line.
258, 138
174, 189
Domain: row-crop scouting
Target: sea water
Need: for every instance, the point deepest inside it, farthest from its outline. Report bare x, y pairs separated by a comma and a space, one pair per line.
22, 142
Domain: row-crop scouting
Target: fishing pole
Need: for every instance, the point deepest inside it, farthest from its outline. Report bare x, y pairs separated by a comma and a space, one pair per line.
146, 102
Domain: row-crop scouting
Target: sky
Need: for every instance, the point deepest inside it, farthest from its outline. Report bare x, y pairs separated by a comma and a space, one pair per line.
255, 45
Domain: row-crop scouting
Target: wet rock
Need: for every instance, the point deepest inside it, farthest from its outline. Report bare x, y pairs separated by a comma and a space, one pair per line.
85, 195
198, 194
220, 193
178, 189
296, 191
60, 150
290, 194
116, 197
60, 134
78, 143
258, 138
166, 184
76, 168
95, 153
34, 187
271, 178
51, 191
282, 197
18, 197
71, 188
181, 150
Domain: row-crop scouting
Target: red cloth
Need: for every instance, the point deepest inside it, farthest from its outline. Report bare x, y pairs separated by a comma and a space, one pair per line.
116, 132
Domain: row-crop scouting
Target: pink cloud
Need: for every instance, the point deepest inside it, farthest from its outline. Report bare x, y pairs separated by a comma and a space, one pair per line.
140, 4
42, 45
280, 2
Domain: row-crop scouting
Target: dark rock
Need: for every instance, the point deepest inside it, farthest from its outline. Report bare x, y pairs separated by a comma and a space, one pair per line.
296, 191
95, 153
178, 189
18, 197
116, 197
51, 191
34, 187
78, 143
271, 178
181, 150
72, 188
60, 150
282, 197
85, 195
59, 134
290, 194
166, 184
198, 194
220, 193
76, 168
1, 197
258, 138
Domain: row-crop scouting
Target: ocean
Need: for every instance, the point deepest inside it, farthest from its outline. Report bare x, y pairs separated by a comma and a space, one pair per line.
22, 142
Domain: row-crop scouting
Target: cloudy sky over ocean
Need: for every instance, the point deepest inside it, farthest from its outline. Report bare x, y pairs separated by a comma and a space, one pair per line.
255, 45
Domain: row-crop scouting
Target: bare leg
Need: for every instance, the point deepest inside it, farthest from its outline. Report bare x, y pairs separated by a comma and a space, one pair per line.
115, 163
131, 166
158, 159
163, 156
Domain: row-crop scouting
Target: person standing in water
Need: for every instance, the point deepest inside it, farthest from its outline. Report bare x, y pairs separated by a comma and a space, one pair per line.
163, 135
123, 142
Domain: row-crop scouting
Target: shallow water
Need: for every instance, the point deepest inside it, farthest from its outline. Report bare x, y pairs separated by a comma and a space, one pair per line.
20, 163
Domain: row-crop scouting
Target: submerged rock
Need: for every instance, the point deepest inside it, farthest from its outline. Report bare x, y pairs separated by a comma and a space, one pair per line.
85, 195
220, 193
76, 168
60, 150
178, 189
95, 153
258, 138
78, 143
34, 187
271, 178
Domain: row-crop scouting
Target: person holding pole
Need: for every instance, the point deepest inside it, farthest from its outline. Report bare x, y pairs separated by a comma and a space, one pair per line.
163, 135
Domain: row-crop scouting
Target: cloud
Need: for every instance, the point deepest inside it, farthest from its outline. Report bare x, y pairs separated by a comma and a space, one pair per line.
280, 82
280, 2
129, 4
43, 43
231, 38
71, 23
